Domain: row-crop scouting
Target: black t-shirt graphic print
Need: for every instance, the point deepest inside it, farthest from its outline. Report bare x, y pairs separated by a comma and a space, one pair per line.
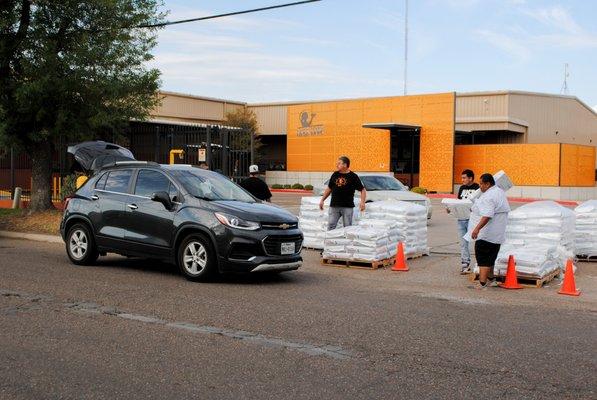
466, 191
343, 187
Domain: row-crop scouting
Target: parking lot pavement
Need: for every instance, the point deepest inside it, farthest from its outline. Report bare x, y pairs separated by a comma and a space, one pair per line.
133, 328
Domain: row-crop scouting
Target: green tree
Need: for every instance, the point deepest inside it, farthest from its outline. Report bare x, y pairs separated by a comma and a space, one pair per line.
70, 71
245, 119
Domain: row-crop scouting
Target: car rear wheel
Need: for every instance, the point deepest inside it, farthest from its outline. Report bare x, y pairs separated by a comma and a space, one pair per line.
196, 259
80, 245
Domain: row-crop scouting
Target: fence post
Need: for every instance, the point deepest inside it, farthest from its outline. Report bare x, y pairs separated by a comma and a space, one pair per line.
12, 172
225, 149
208, 147
252, 147
16, 201
156, 150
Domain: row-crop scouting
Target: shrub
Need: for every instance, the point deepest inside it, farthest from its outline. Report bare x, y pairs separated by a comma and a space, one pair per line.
308, 187
277, 186
419, 190
298, 186
68, 187
287, 186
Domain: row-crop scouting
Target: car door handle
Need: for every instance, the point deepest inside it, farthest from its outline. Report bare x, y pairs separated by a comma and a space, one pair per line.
95, 197
132, 206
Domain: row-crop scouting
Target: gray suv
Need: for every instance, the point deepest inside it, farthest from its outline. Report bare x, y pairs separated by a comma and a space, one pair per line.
196, 219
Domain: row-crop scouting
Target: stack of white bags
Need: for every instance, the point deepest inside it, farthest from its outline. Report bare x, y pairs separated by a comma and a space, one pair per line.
410, 218
368, 241
586, 228
377, 233
540, 236
313, 222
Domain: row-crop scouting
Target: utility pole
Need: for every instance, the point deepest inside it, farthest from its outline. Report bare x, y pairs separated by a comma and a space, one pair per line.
405, 44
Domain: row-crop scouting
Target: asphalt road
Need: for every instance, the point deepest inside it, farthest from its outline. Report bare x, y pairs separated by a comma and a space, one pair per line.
132, 328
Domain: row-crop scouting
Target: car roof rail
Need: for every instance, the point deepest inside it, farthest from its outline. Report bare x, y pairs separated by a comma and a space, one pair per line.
135, 162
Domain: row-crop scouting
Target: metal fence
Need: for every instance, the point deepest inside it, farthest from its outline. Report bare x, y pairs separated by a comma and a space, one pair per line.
222, 149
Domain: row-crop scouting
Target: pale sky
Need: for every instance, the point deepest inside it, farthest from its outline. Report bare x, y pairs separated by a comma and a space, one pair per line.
352, 48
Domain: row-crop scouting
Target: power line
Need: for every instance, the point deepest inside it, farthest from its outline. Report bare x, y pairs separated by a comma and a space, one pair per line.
184, 21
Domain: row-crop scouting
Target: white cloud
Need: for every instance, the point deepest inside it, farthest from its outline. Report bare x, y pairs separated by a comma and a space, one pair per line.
555, 17
512, 46
562, 31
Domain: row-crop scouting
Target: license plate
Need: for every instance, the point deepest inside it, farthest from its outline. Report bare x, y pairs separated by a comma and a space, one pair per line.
288, 248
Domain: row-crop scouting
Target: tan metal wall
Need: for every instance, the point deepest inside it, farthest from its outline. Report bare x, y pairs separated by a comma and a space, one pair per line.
572, 120
271, 118
536, 116
186, 108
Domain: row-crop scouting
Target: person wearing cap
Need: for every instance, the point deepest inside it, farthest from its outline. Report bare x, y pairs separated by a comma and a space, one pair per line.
254, 185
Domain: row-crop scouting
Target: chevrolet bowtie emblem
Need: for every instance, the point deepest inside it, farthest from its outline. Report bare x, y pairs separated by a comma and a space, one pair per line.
284, 226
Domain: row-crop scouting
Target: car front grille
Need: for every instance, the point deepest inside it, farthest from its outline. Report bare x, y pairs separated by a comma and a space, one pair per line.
273, 244
279, 225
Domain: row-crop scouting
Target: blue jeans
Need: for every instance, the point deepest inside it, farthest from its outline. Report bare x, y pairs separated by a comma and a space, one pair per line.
339, 212
465, 253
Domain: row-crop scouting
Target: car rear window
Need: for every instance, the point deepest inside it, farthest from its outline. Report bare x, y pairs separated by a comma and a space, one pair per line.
101, 182
118, 181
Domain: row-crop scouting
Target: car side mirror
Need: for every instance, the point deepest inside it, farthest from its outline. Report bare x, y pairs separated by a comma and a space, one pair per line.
162, 197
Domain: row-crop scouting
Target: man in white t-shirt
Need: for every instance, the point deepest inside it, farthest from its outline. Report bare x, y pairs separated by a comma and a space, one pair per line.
492, 207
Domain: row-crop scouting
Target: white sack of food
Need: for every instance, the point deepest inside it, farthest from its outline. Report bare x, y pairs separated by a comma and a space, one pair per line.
459, 208
586, 229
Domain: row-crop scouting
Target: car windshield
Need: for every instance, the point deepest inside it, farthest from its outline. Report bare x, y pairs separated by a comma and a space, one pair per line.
376, 182
211, 186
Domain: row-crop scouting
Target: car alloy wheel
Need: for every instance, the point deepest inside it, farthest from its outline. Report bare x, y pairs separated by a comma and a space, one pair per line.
78, 244
194, 259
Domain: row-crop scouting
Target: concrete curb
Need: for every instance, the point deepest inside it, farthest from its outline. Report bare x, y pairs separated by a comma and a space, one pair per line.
38, 237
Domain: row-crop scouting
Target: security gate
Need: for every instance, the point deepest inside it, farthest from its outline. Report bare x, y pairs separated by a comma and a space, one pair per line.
222, 149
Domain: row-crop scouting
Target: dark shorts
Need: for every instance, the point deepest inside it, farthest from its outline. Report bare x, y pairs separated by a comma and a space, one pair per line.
486, 253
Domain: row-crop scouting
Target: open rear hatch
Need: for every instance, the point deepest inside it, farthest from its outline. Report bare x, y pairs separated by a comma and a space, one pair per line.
94, 155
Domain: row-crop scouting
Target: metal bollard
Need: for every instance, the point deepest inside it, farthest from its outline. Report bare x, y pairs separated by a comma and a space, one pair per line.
16, 200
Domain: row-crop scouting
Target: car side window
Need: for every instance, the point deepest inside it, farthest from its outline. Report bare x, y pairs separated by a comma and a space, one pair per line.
118, 181
101, 182
149, 181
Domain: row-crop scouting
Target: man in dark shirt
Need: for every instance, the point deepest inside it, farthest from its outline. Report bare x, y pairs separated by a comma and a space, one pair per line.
342, 186
256, 186
468, 187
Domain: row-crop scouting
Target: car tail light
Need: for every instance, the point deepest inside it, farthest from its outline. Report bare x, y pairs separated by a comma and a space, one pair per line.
66, 201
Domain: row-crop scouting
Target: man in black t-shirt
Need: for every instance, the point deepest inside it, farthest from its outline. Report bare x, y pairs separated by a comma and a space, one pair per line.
256, 186
468, 187
342, 185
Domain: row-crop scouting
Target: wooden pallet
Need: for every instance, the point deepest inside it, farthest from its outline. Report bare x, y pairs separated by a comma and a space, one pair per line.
586, 258
356, 263
526, 281
416, 255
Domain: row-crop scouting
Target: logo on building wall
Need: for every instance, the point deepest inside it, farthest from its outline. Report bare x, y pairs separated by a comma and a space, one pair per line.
307, 128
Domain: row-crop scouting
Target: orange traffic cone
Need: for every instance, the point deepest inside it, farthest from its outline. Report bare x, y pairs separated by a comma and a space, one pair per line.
511, 281
569, 286
400, 263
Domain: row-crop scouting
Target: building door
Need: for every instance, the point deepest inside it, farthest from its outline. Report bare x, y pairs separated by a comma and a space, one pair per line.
405, 145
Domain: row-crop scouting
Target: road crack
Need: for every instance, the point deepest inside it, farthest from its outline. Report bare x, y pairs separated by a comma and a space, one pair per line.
312, 349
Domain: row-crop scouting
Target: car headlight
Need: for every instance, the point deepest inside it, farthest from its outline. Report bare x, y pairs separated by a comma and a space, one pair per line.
236, 222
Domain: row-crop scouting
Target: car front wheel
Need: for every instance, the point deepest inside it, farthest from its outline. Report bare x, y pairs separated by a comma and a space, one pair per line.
196, 259
80, 245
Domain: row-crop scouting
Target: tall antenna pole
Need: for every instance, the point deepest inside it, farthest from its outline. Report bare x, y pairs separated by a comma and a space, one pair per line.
564, 89
405, 44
